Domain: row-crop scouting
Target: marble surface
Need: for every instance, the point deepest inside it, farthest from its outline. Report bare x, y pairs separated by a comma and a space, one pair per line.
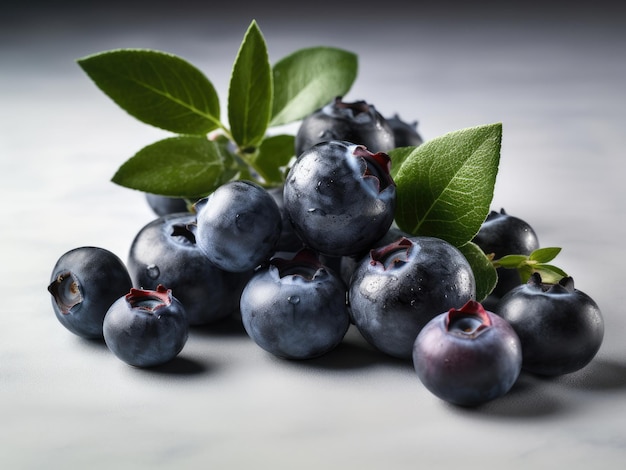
554, 78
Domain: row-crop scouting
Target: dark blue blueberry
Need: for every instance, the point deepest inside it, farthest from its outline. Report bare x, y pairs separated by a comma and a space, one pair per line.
561, 328
165, 252
502, 234
163, 205
295, 308
400, 287
468, 356
289, 241
405, 134
84, 283
340, 197
146, 328
238, 226
357, 122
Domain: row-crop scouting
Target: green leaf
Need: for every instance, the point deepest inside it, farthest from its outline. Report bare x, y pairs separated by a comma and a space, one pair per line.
308, 79
445, 186
273, 157
544, 255
157, 88
511, 261
550, 274
484, 273
250, 91
184, 166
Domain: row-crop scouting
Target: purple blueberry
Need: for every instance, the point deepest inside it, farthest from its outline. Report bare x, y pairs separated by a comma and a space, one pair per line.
561, 328
357, 122
84, 283
146, 328
340, 197
295, 308
400, 287
468, 356
165, 252
238, 226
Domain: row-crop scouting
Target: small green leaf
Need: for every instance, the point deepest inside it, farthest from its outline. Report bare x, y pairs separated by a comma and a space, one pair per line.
511, 261
445, 186
184, 166
308, 79
157, 88
544, 255
273, 156
484, 273
250, 91
549, 273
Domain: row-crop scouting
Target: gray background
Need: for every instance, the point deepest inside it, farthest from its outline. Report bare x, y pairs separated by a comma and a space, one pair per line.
553, 75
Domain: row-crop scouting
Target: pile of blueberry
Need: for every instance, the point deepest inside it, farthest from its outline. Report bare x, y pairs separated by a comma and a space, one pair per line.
303, 262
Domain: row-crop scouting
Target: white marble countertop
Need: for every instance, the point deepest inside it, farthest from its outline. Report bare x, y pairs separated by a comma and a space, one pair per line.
555, 80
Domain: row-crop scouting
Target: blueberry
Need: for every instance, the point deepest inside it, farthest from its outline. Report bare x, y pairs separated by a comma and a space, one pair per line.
357, 122
238, 226
405, 134
163, 205
561, 328
289, 241
295, 308
146, 328
165, 252
401, 286
468, 356
502, 234
340, 197
84, 283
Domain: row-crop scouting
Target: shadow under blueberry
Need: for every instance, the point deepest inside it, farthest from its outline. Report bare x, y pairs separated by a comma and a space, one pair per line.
351, 354
529, 398
179, 366
601, 374
229, 326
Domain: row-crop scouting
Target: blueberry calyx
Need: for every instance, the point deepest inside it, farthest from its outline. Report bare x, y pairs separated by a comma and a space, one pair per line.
66, 292
149, 300
183, 233
469, 321
564, 286
393, 255
305, 263
377, 169
360, 110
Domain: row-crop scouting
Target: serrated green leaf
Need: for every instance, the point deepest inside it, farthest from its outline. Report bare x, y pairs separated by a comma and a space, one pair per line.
544, 255
445, 186
308, 79
157, 88
512, 261
250, 90
273, 156
484, 273
184, 166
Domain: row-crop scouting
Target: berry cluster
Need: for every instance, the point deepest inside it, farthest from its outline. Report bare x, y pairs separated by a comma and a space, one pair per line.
303, 262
